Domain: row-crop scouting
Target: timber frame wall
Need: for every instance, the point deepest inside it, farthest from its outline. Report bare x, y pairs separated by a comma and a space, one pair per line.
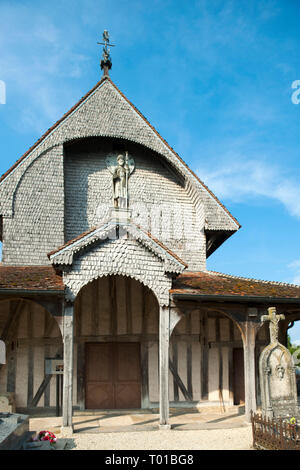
121, 309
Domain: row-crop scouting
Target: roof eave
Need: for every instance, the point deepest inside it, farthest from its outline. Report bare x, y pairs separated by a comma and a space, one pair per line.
232, 298
8, 291
220, 237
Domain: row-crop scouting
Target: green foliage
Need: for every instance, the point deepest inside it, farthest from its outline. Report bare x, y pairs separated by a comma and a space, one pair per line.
291, 347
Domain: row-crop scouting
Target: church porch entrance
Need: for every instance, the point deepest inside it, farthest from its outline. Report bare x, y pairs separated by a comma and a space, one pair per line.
116, 344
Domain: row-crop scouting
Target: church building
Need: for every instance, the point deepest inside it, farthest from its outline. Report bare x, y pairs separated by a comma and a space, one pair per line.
105, 298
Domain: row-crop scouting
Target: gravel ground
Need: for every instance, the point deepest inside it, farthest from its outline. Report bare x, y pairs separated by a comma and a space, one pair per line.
221, 439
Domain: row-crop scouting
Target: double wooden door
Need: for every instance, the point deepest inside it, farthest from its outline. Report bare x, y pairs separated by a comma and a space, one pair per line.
113, 376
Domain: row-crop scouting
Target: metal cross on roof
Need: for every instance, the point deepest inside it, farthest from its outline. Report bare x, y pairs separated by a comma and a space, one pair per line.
106, 63
274, 320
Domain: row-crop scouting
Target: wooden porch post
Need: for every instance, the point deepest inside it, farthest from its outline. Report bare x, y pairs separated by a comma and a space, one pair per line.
250, 329
68, 339
164, 327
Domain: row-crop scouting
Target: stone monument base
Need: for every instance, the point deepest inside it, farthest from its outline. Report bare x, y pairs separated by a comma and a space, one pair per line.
14, 429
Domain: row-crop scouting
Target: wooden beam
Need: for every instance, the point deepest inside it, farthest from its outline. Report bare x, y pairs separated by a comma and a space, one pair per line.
179, 382
220, 379
94, 293
175, 366
80, 375
9, 332
204, 356
47, 389
30, 356
11, 325
145, 374
11, 371
144, 311
50, 322
39, 341
164, 326
249, 367
189, 357
68, 364
128, 305
230, 361
41, 390
44, 385
78, 315
113, 306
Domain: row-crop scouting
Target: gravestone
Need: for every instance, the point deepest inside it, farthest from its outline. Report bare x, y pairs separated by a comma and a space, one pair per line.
277, 374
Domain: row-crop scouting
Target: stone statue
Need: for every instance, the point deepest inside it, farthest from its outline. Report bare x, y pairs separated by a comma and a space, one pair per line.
277, 374
120, 167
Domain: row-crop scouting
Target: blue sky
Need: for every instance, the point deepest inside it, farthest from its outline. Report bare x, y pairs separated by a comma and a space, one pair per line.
214, 77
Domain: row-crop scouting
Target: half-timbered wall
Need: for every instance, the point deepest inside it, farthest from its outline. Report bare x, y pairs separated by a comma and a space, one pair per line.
121, 309
32, 335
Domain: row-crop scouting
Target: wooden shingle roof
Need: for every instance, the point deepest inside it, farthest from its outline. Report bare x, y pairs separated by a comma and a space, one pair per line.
209, 284
30, 278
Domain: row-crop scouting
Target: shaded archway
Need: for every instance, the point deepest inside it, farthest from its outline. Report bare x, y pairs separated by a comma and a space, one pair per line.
112, 311
206, 352
31, 335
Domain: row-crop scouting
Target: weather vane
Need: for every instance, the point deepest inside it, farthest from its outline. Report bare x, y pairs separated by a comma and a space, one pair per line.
105, 63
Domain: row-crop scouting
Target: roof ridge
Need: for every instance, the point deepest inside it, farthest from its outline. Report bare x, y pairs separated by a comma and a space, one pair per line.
277, 283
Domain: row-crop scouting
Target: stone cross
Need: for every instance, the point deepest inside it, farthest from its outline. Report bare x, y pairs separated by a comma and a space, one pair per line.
274, 320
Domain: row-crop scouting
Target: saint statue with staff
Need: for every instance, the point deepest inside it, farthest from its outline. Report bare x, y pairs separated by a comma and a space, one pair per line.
120, 167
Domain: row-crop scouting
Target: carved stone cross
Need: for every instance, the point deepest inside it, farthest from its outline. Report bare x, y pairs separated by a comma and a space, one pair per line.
274, 320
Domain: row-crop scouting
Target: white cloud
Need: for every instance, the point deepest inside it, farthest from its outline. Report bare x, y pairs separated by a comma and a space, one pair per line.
35, 62
238, 179
295, 267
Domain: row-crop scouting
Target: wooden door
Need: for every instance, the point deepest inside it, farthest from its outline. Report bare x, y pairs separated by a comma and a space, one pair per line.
113, 376
238, 376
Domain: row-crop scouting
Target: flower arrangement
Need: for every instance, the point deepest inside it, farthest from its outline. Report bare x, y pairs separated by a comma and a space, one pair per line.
46, 436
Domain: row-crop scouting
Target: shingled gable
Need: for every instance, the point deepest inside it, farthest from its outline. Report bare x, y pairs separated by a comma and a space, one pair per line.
65, 255
104, 111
